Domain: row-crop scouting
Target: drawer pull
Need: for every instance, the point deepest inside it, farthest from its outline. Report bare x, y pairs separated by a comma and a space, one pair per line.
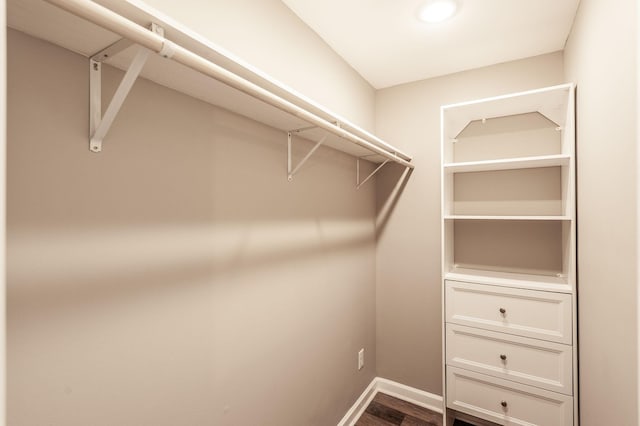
503, 357
504, 404
503, 311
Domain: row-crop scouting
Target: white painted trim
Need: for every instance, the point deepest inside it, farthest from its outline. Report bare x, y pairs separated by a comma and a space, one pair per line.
360, 405
637, 212
406, 393
565, 86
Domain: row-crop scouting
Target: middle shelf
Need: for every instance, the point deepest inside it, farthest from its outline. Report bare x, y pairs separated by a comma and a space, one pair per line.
534, 248
532, 192
508, 163
494, 217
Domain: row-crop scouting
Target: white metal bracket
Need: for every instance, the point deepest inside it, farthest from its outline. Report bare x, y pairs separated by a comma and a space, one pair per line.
99, 125
358, 183
291, 172
112, 50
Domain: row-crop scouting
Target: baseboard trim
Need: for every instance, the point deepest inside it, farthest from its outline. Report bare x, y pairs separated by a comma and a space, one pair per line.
360, 405
407, 393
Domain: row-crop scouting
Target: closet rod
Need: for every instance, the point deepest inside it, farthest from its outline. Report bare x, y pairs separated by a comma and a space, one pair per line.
122, 26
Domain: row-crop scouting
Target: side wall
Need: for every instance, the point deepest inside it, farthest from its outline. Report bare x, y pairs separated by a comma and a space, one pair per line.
176, 278
269, 36
3, 199
600, 59
408, 298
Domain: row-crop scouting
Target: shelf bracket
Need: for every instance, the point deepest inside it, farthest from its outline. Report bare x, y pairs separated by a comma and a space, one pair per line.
291, 172
99, 125
358, 183
112, 50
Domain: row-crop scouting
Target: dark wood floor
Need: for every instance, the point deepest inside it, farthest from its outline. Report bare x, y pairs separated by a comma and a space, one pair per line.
386, 410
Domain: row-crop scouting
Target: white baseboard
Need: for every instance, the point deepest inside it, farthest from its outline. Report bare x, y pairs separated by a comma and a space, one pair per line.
360, 405
406, 393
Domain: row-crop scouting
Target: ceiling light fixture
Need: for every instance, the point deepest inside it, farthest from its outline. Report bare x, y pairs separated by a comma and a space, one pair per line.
435, 11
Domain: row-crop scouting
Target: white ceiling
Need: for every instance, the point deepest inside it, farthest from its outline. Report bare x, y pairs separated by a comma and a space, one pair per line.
384, 41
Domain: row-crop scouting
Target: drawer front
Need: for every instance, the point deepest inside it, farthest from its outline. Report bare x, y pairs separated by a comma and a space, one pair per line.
505, 402
529, 313
547, 365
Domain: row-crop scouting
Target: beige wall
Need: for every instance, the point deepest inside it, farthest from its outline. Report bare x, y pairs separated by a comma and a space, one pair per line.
408, 309
177, 277
3, 198
600, 58
269, 36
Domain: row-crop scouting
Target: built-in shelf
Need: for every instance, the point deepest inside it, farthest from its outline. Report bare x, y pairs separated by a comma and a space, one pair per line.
509, 234
483, 217
508, 164
202, 69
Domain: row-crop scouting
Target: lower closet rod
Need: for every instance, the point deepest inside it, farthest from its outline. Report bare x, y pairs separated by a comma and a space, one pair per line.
122, 26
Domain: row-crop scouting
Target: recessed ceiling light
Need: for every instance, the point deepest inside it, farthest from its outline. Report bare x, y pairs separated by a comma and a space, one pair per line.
437, 11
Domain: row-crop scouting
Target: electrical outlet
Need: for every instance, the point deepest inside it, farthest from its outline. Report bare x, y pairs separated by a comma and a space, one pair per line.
360, 359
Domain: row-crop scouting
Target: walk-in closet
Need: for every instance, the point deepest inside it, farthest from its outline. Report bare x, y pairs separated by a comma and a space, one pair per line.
298, 213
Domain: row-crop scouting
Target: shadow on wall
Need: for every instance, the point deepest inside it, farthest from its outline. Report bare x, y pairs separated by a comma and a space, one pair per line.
178, 267
389, 185
102, 267
182, 191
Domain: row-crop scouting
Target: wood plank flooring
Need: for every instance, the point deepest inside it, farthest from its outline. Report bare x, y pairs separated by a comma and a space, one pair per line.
385, 410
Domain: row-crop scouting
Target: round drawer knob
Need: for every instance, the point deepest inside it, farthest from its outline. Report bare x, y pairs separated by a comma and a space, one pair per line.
503, 311
503, 357
504, 404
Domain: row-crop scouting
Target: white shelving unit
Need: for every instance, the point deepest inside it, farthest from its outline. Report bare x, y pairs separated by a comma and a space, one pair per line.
508, 257
132, 36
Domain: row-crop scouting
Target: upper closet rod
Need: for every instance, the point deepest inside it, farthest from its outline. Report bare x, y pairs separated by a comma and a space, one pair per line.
122, 26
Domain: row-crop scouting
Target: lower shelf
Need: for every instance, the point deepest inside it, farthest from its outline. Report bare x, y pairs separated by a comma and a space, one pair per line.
553, 283
505, 402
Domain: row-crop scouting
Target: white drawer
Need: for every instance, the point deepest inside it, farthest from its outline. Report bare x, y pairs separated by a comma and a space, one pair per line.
505, 402
547, 365
530, 313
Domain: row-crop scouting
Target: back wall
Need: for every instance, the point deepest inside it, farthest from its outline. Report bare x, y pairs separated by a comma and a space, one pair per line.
408, 296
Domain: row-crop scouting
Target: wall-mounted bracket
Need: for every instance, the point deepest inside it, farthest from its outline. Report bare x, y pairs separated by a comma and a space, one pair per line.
112, 50
99, 125
358, 183
291, 172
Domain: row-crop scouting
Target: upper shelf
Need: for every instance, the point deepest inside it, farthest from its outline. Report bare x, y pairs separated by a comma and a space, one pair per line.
51, 23
550, 102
